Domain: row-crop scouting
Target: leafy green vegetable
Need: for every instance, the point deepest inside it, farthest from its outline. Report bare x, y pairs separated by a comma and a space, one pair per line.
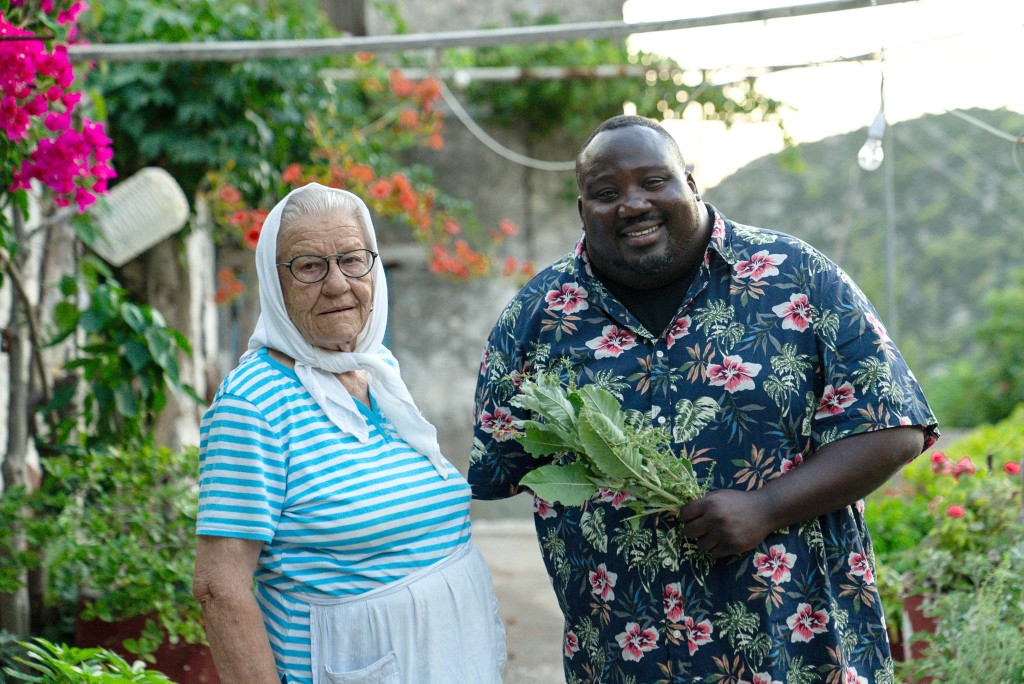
597, 445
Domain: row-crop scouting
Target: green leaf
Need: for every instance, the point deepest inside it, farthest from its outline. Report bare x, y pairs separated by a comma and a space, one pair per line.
68, 286
604, 401
137, 355
133, 316
539, 440
547, 397
569, 485
605, 445
92, 321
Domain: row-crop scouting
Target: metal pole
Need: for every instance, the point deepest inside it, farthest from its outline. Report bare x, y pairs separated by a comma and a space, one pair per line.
889, 183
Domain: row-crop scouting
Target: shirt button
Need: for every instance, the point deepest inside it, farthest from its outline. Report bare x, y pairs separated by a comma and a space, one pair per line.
661, 420
659, 353
676, 633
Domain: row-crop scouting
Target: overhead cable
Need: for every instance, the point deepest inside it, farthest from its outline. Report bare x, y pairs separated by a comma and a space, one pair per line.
480, 134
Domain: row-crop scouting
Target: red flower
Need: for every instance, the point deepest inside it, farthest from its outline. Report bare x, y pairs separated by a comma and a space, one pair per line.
955, 511
251, 237
381, 189
963, 467
409, 119
229, 194
400, 86
361, 173
291, 174
1012, 467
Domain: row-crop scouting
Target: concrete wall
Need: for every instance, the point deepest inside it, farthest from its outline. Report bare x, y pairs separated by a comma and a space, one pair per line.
438, 328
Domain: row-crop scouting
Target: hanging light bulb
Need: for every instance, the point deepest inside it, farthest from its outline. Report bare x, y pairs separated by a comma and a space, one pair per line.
871, 154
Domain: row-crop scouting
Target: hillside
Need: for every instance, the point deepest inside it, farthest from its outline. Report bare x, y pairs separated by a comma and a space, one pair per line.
959, 220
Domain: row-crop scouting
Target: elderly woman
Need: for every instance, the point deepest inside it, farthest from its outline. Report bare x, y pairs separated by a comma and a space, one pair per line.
322, 480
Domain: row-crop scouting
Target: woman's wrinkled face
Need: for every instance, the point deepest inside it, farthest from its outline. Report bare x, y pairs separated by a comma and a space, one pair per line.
331, 313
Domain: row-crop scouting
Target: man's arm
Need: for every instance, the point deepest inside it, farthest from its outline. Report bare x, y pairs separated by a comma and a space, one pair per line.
728, 521
233, 619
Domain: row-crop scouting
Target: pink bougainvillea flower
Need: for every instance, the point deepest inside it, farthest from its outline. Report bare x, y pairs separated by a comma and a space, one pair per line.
796, 313
806, 622
636, 641
1012, 467
612, 343
571, 645
760, 265
859, 566
570, 299
602, 582
680, 328
499, 424
672, 602
955, 511
733, 374
775, 564
697, 633
835, 400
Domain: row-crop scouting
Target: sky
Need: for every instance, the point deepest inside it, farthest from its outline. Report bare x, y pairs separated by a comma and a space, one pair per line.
939, 55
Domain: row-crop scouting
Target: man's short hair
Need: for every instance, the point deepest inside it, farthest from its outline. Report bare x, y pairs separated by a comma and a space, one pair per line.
625, 121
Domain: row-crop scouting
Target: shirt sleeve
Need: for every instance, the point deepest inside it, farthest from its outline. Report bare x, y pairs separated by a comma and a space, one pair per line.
242, 472
497, 461
866, 384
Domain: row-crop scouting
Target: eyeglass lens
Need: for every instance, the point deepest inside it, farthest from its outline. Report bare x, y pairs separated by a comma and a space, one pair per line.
312, 268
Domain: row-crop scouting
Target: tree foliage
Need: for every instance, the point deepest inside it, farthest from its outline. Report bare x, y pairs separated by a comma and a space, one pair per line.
574, 106
194, 117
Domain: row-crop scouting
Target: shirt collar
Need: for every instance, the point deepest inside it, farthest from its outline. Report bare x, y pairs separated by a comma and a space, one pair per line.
720, 245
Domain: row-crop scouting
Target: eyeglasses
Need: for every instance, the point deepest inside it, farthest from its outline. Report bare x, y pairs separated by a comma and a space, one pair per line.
312, 268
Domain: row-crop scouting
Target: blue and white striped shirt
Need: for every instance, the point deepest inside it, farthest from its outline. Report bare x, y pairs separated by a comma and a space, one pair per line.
337, 517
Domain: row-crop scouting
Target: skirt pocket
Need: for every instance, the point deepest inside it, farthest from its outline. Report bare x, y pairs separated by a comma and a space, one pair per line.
384, 671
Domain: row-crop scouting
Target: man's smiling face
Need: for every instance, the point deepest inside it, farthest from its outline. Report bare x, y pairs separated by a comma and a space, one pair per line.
643, 223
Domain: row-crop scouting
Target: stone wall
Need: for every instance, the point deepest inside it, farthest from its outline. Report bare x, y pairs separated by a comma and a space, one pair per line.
438, 328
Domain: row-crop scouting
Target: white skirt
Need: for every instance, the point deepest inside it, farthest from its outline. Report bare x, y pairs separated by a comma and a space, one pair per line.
439, 625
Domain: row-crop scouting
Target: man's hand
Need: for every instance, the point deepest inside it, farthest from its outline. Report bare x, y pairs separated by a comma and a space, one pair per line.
726, 522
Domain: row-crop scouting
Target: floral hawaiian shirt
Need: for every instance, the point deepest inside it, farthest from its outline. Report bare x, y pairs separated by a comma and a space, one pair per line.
774, 353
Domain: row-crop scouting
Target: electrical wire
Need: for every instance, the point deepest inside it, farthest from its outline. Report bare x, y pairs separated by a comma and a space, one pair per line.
1017, 151
492, 144
985, 127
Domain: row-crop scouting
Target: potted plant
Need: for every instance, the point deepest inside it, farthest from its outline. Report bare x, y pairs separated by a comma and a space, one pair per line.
945, 523
979, 632
122, 548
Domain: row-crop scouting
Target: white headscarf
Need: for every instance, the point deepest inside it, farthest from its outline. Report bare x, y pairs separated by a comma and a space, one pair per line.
315, 366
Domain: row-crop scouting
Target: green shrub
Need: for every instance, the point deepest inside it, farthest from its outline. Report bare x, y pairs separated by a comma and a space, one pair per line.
980, 633
48, 663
